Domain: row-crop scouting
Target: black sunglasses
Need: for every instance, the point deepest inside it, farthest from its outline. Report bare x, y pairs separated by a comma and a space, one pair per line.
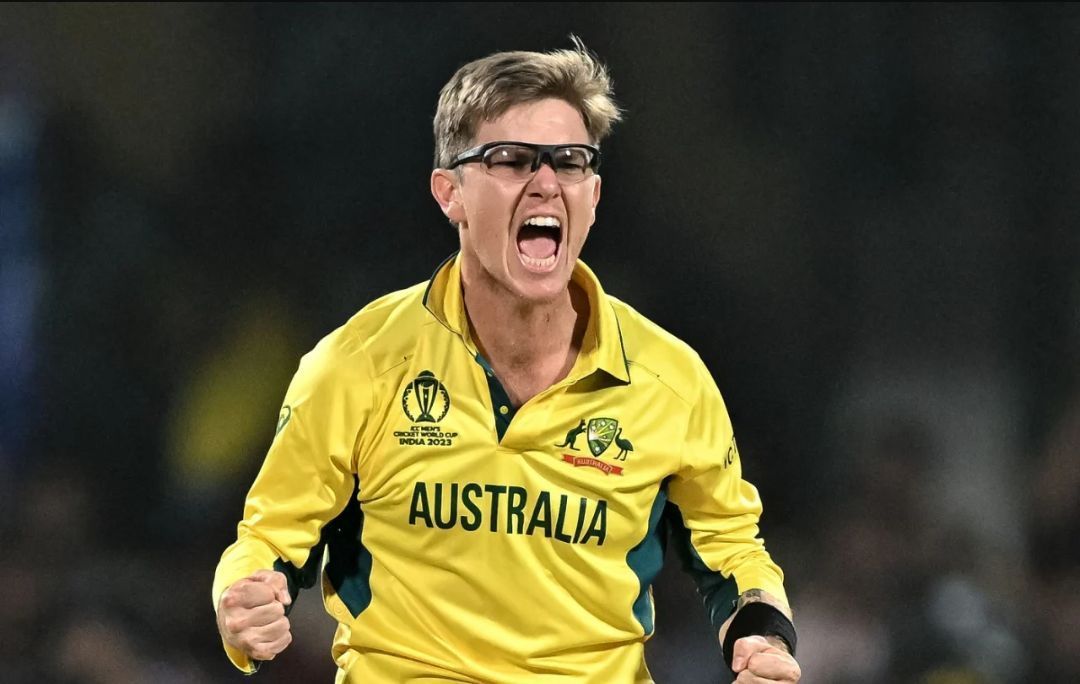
519, 161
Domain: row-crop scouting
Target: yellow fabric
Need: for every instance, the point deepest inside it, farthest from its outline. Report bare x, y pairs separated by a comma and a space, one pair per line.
496, 561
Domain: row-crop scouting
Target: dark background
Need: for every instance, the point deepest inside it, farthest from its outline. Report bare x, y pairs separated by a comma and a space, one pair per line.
863, 217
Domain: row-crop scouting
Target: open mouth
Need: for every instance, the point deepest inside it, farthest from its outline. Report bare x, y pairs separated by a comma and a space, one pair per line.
538, 241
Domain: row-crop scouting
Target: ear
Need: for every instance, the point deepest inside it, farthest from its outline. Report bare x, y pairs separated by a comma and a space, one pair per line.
595, 197
445, 190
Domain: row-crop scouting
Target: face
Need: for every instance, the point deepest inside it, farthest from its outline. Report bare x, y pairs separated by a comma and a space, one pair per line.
531, 262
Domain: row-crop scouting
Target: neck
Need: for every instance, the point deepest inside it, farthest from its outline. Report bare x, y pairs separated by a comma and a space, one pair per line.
530, 345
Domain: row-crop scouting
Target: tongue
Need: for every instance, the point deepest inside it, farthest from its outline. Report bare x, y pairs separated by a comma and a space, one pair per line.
536, 242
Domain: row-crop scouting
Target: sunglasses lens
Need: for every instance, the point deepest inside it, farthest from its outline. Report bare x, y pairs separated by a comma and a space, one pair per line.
514, 162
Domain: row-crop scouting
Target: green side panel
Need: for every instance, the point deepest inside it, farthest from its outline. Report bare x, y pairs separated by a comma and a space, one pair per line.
349, 565
718, 591
647, 558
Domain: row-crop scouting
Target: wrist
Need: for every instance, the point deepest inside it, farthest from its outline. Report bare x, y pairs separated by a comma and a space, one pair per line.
778, 642
759, 619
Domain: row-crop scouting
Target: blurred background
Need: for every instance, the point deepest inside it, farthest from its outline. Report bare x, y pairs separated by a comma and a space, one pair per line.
863, 217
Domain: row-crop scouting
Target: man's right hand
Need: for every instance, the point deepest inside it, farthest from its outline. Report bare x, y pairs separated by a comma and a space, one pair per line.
251, 615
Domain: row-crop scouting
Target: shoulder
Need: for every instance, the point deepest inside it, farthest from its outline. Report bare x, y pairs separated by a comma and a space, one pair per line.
655, 352
380, 333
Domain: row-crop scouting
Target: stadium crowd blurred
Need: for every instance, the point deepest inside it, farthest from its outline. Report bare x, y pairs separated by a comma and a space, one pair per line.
873, 208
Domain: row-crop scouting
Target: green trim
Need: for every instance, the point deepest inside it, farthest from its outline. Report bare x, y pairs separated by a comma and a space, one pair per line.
646, 559
622, 346
718, 591
499, 398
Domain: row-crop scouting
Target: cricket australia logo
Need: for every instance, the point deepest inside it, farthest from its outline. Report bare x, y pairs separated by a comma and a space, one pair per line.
425, 399
599, 435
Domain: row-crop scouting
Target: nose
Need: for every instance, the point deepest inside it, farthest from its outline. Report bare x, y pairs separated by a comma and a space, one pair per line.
544, 182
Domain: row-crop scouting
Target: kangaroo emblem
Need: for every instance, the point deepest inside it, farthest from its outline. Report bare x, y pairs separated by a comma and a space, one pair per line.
572, 436
624, 446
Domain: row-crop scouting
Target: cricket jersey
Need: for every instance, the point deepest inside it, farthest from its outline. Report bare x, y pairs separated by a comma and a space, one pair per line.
459, 538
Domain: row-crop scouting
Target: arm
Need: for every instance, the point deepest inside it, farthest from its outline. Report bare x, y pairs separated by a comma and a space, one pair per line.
714, 527
306, 480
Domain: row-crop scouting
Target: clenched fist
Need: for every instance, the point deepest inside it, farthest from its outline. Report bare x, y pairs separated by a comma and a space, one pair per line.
757, 660
251, 615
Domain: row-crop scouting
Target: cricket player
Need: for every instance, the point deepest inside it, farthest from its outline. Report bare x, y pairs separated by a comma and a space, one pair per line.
484, 469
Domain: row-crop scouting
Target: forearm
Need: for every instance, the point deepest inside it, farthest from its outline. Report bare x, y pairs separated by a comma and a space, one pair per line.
762, 596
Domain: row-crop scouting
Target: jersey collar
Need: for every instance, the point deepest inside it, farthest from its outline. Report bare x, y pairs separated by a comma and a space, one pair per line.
602, 348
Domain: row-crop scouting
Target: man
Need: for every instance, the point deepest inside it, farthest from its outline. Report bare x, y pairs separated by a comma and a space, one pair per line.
487, 457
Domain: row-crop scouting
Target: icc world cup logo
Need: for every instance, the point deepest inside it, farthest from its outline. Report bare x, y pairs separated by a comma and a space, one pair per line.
425, 399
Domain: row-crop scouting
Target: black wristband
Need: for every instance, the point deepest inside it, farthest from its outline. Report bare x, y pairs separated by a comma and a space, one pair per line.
760, 619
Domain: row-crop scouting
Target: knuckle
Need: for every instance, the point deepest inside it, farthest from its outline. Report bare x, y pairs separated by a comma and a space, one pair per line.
256, 596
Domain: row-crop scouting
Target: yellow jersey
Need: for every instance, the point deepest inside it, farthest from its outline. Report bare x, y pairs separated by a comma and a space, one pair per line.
459, 539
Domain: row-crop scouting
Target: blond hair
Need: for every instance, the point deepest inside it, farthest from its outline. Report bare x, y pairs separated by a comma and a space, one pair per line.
484, 89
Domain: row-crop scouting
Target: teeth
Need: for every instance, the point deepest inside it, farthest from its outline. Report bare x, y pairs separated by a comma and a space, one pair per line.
539, 263
546, 221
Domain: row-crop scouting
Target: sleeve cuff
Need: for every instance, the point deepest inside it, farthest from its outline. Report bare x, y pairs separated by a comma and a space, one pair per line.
240, 659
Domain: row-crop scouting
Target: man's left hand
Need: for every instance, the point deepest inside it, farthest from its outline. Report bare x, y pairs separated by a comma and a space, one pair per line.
757, 661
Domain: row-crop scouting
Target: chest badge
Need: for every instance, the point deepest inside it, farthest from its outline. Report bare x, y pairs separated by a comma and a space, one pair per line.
425, 399
599, 433
425, 402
